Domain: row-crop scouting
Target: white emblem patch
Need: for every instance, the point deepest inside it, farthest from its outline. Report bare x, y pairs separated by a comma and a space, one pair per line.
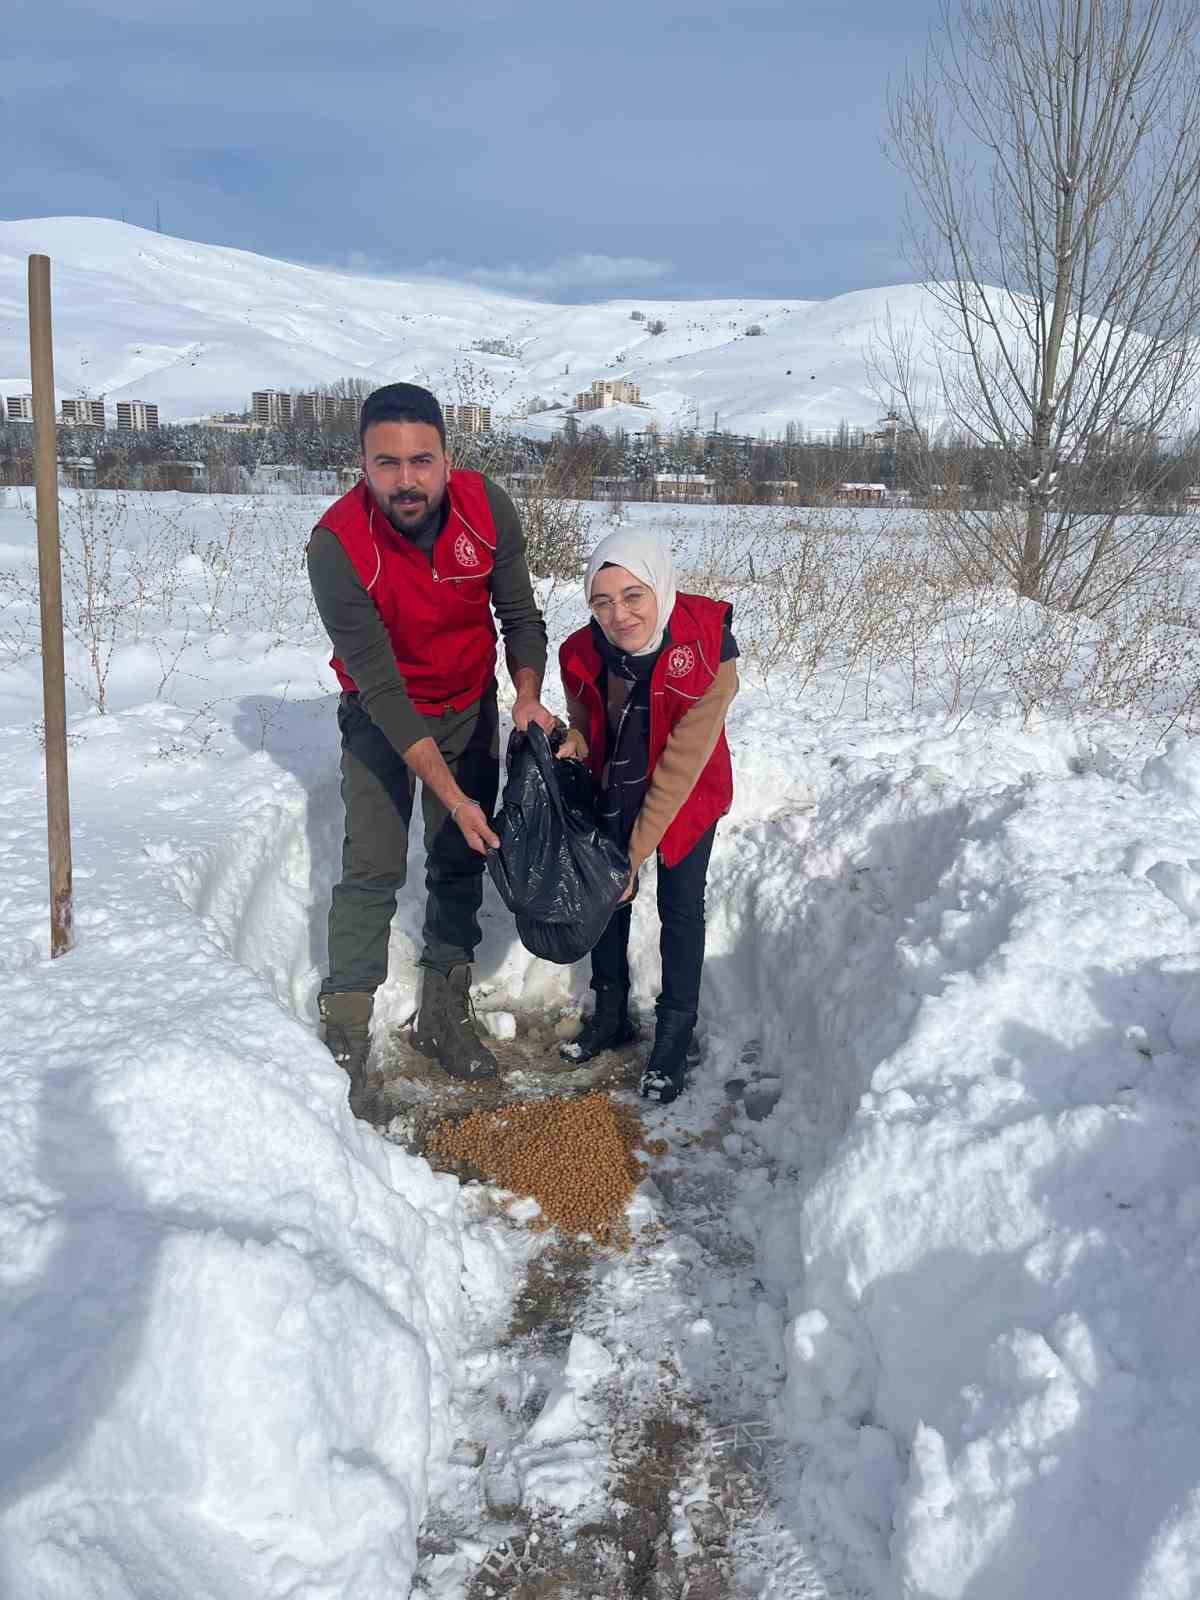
465, 552
681, 661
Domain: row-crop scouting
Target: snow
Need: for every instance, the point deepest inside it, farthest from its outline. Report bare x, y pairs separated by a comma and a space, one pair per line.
195, 328
245, 1338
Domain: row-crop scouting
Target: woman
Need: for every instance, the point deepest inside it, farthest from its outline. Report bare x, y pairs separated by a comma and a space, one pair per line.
648, 683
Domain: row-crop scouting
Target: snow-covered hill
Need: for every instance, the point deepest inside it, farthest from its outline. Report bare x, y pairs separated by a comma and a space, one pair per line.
195, 328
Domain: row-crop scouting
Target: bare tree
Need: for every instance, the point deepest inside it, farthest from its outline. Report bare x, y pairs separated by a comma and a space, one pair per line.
1054, 150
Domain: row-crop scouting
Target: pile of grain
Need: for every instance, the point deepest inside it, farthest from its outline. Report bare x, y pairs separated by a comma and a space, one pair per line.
574, 1156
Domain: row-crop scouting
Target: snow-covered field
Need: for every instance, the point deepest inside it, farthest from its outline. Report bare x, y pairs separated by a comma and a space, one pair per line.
244, 1337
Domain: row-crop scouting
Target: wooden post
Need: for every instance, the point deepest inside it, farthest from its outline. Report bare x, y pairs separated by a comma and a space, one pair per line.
54, 691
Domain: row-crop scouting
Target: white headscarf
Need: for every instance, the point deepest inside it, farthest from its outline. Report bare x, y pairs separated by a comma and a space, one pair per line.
649, 559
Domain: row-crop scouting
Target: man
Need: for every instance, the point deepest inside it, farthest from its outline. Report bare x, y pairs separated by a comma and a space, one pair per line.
406, 570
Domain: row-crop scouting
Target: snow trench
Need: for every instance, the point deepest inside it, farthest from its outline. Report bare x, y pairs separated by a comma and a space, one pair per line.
806, 899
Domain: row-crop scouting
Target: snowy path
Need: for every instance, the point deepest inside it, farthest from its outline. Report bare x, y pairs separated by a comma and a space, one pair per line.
624, 1436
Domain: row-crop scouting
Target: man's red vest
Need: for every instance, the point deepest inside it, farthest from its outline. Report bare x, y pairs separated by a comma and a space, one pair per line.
436, 608
682, 675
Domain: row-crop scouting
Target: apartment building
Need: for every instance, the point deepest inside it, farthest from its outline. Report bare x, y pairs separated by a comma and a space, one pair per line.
20, 408
83, 413
308, 409
468, 418
136, 416
271, 408
606, 392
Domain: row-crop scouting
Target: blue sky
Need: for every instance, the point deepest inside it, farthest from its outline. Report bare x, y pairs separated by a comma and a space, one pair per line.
571, 152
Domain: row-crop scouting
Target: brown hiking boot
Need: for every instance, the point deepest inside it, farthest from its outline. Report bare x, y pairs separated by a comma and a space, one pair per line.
445, 1026
347, 1018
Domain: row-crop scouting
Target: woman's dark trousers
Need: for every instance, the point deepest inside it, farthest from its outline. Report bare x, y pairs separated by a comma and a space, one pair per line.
681, 941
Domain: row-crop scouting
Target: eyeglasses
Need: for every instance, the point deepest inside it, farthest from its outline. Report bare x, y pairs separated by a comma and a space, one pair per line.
604, 607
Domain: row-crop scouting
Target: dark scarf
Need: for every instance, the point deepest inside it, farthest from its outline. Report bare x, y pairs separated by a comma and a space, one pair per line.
628, 756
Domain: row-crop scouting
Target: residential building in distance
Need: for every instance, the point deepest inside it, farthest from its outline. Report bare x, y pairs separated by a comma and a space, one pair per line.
20, 408
524, 481
311, 410
892, 430
289, 478
614, 487
83, 413
271, 408
188, 476
468, 418
686, 486
782, 491
136, 416
77, 472
862, 494
606, 392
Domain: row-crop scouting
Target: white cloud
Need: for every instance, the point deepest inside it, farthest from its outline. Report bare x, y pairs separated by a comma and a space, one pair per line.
567, 272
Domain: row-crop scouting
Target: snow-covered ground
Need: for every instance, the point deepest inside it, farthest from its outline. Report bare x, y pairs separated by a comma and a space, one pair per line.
195, 328
245, 1337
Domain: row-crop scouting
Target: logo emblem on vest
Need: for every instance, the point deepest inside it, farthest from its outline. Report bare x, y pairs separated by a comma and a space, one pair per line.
681, 661
465, 552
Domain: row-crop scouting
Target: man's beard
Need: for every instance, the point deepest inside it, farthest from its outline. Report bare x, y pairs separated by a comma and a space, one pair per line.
413, 527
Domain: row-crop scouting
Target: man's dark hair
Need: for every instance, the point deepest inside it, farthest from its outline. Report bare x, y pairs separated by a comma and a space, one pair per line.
401, 402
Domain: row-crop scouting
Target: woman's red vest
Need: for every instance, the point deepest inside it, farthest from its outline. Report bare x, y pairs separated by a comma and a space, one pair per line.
682, 675
436, 608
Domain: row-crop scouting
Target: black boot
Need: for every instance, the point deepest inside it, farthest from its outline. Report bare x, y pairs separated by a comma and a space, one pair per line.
347, 1018
606, 1028
664, 1073
445, 1026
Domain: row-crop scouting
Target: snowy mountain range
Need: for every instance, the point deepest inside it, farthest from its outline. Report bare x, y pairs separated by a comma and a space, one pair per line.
195, 328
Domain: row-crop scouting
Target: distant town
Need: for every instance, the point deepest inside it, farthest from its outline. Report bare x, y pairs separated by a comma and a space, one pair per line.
306, 442
277, 408
269, 408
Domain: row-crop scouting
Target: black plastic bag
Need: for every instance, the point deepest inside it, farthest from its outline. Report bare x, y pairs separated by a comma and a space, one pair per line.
555, 869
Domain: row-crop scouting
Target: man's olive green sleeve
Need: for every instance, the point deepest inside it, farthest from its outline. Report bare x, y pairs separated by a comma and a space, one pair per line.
360, 639
512, 590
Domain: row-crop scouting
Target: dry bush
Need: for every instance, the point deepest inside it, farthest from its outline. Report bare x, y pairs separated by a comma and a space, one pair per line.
798, 580
97, 598
141, 571
557, 530
1141, 660
907, 623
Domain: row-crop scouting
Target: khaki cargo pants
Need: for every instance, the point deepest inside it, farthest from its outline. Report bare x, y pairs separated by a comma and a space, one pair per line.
378, 792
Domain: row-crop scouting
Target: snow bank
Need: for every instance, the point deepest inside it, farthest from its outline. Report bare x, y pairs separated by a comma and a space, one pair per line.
232, 1314
993, 992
